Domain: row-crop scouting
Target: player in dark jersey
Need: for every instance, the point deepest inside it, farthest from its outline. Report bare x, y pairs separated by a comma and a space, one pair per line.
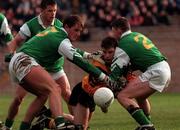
82, 94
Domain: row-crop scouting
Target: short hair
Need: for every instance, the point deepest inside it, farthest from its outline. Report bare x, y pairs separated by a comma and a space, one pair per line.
109, 42
72, 20
121, 23
45, 3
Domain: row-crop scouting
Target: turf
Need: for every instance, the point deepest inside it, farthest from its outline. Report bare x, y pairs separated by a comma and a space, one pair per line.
165, 114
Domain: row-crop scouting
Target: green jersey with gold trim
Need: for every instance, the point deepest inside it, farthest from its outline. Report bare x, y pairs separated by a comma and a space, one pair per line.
33, 27
137, 50
48, 46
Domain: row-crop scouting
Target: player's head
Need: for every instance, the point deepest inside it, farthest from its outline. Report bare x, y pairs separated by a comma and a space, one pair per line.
119, 26
108, 46
73, 26
49, 9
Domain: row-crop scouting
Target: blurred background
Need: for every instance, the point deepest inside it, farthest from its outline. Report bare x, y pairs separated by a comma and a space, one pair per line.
157, 19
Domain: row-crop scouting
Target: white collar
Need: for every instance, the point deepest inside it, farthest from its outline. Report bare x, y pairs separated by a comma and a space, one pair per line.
64, 30
41, 23
126, 33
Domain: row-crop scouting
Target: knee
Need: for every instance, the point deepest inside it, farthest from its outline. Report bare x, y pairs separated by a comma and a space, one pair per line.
45, 92
121, 97
51, 89
55, 89
66, 94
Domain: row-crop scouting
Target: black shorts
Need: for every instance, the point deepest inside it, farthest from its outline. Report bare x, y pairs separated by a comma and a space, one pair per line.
78, 95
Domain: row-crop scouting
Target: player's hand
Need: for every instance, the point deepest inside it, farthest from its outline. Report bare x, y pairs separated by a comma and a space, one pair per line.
115, 86
104, 109
7, 57
94, 55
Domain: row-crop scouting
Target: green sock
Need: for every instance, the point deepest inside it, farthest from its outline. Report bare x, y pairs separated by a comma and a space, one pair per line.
24, 126
59, 121
9, 123
140, 117
149, 117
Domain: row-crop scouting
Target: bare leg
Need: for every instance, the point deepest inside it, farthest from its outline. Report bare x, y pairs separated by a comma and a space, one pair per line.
41, 84
65, 90
32, 111
81, 116
55, 102
14, 106
145, 105
135, 89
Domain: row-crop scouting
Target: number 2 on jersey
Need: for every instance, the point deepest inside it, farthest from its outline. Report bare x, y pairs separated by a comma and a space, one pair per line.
145, 41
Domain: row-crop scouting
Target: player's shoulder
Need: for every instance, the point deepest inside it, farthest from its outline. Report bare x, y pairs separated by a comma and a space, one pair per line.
57, 20
2, 17
129, 38
58, 23
33, 20
32, 23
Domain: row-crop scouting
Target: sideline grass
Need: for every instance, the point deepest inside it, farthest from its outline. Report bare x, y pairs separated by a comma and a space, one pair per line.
165, 114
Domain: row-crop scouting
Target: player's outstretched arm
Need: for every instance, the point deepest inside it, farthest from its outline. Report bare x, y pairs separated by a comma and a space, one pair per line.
73, 55
86, 55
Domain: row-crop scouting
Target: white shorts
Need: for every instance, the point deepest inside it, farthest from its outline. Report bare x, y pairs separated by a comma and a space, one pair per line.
158, 76
57, 75
20, 65
18, 70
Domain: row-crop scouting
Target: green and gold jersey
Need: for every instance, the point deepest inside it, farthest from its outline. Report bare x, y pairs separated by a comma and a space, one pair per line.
51, 44
135, 49
33, 27
5, 32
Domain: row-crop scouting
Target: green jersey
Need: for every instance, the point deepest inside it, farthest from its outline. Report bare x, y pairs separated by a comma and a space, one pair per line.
137, 50
33, 27
5, 32
48, 46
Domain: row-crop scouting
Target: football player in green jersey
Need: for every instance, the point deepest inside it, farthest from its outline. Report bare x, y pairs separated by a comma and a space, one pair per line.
5, 37
5, 32
28, 66
37, 24
143, 55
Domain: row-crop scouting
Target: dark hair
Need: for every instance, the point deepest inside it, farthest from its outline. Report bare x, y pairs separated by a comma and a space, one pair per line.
45, 3
72, 20
109, 42
121, 23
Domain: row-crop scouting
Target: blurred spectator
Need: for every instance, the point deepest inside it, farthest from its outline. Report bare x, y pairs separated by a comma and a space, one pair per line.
85, 36
178, 5
136, 18
124, 8
64, 9
99, 13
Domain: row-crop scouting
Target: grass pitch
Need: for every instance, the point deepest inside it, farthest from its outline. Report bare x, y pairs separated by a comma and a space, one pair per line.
165, 114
